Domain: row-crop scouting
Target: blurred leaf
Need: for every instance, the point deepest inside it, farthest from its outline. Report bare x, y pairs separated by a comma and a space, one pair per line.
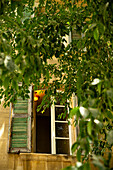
99, 165
79, 154
95, 112
97, 161
74, 147
92, 25
9, 64
14, 84
78, 164
109, 114
1, 61
0, 71
6, 82
89, 127
84, 112
86, 166
74, 112
26, 78
110, 93
110, 137
99, 88
99, 123
95, 81
96, 34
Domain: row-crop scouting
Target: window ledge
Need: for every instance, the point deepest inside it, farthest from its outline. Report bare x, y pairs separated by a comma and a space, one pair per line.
47, 157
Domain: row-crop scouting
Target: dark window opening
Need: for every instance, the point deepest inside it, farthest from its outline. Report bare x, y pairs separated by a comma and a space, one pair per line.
43, 125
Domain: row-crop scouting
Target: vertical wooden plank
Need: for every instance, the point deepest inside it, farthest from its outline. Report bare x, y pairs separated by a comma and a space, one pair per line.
29, 118
53, 143
9, 130
70, 137
75, 104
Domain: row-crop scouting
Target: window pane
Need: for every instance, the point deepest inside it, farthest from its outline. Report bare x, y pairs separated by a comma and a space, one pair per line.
62, 146
43, 133
62, 130
43, 124
59, 113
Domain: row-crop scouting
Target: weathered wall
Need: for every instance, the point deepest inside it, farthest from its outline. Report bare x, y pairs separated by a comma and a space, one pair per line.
6, 160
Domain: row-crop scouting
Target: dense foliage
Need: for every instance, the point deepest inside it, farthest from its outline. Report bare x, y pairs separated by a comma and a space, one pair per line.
29, 36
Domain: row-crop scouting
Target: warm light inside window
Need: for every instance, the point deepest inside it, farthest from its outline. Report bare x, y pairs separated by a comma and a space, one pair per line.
38, 94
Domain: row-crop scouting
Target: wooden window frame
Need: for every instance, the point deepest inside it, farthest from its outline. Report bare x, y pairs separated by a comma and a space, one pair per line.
53, 135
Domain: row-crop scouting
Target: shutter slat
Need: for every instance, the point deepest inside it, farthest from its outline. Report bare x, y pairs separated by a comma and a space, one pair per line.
19, 141
17, 133
20, 105
21, 108
20, 119
21, 136
19, 146
20, 111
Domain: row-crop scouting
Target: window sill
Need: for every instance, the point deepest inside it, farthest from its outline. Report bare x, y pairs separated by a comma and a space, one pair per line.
47, 157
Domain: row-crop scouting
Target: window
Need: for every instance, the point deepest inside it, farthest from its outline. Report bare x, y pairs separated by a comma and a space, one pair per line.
52, 130
52, 134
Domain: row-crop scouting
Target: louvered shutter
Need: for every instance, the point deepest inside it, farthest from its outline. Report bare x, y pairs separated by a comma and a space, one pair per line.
20, 130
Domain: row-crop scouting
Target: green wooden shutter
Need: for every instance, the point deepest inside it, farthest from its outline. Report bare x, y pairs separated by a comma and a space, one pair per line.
20, 130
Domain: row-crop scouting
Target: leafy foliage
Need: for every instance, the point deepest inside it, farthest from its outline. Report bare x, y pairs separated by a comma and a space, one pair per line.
30, 36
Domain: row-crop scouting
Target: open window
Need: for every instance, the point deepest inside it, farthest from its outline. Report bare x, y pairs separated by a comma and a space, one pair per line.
52, 130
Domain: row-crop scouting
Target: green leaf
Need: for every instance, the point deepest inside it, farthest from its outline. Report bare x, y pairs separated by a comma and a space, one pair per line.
14, 84
74, 147
74, 111
0, 71
99, 88
6, 82
89, 127
86, 166
26, 78
92, 26
96, 34
79, 154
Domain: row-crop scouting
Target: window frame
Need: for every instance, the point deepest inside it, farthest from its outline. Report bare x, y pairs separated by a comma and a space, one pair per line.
53, 130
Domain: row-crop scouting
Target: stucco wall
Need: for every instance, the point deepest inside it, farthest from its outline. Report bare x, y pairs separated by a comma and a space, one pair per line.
6, 160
